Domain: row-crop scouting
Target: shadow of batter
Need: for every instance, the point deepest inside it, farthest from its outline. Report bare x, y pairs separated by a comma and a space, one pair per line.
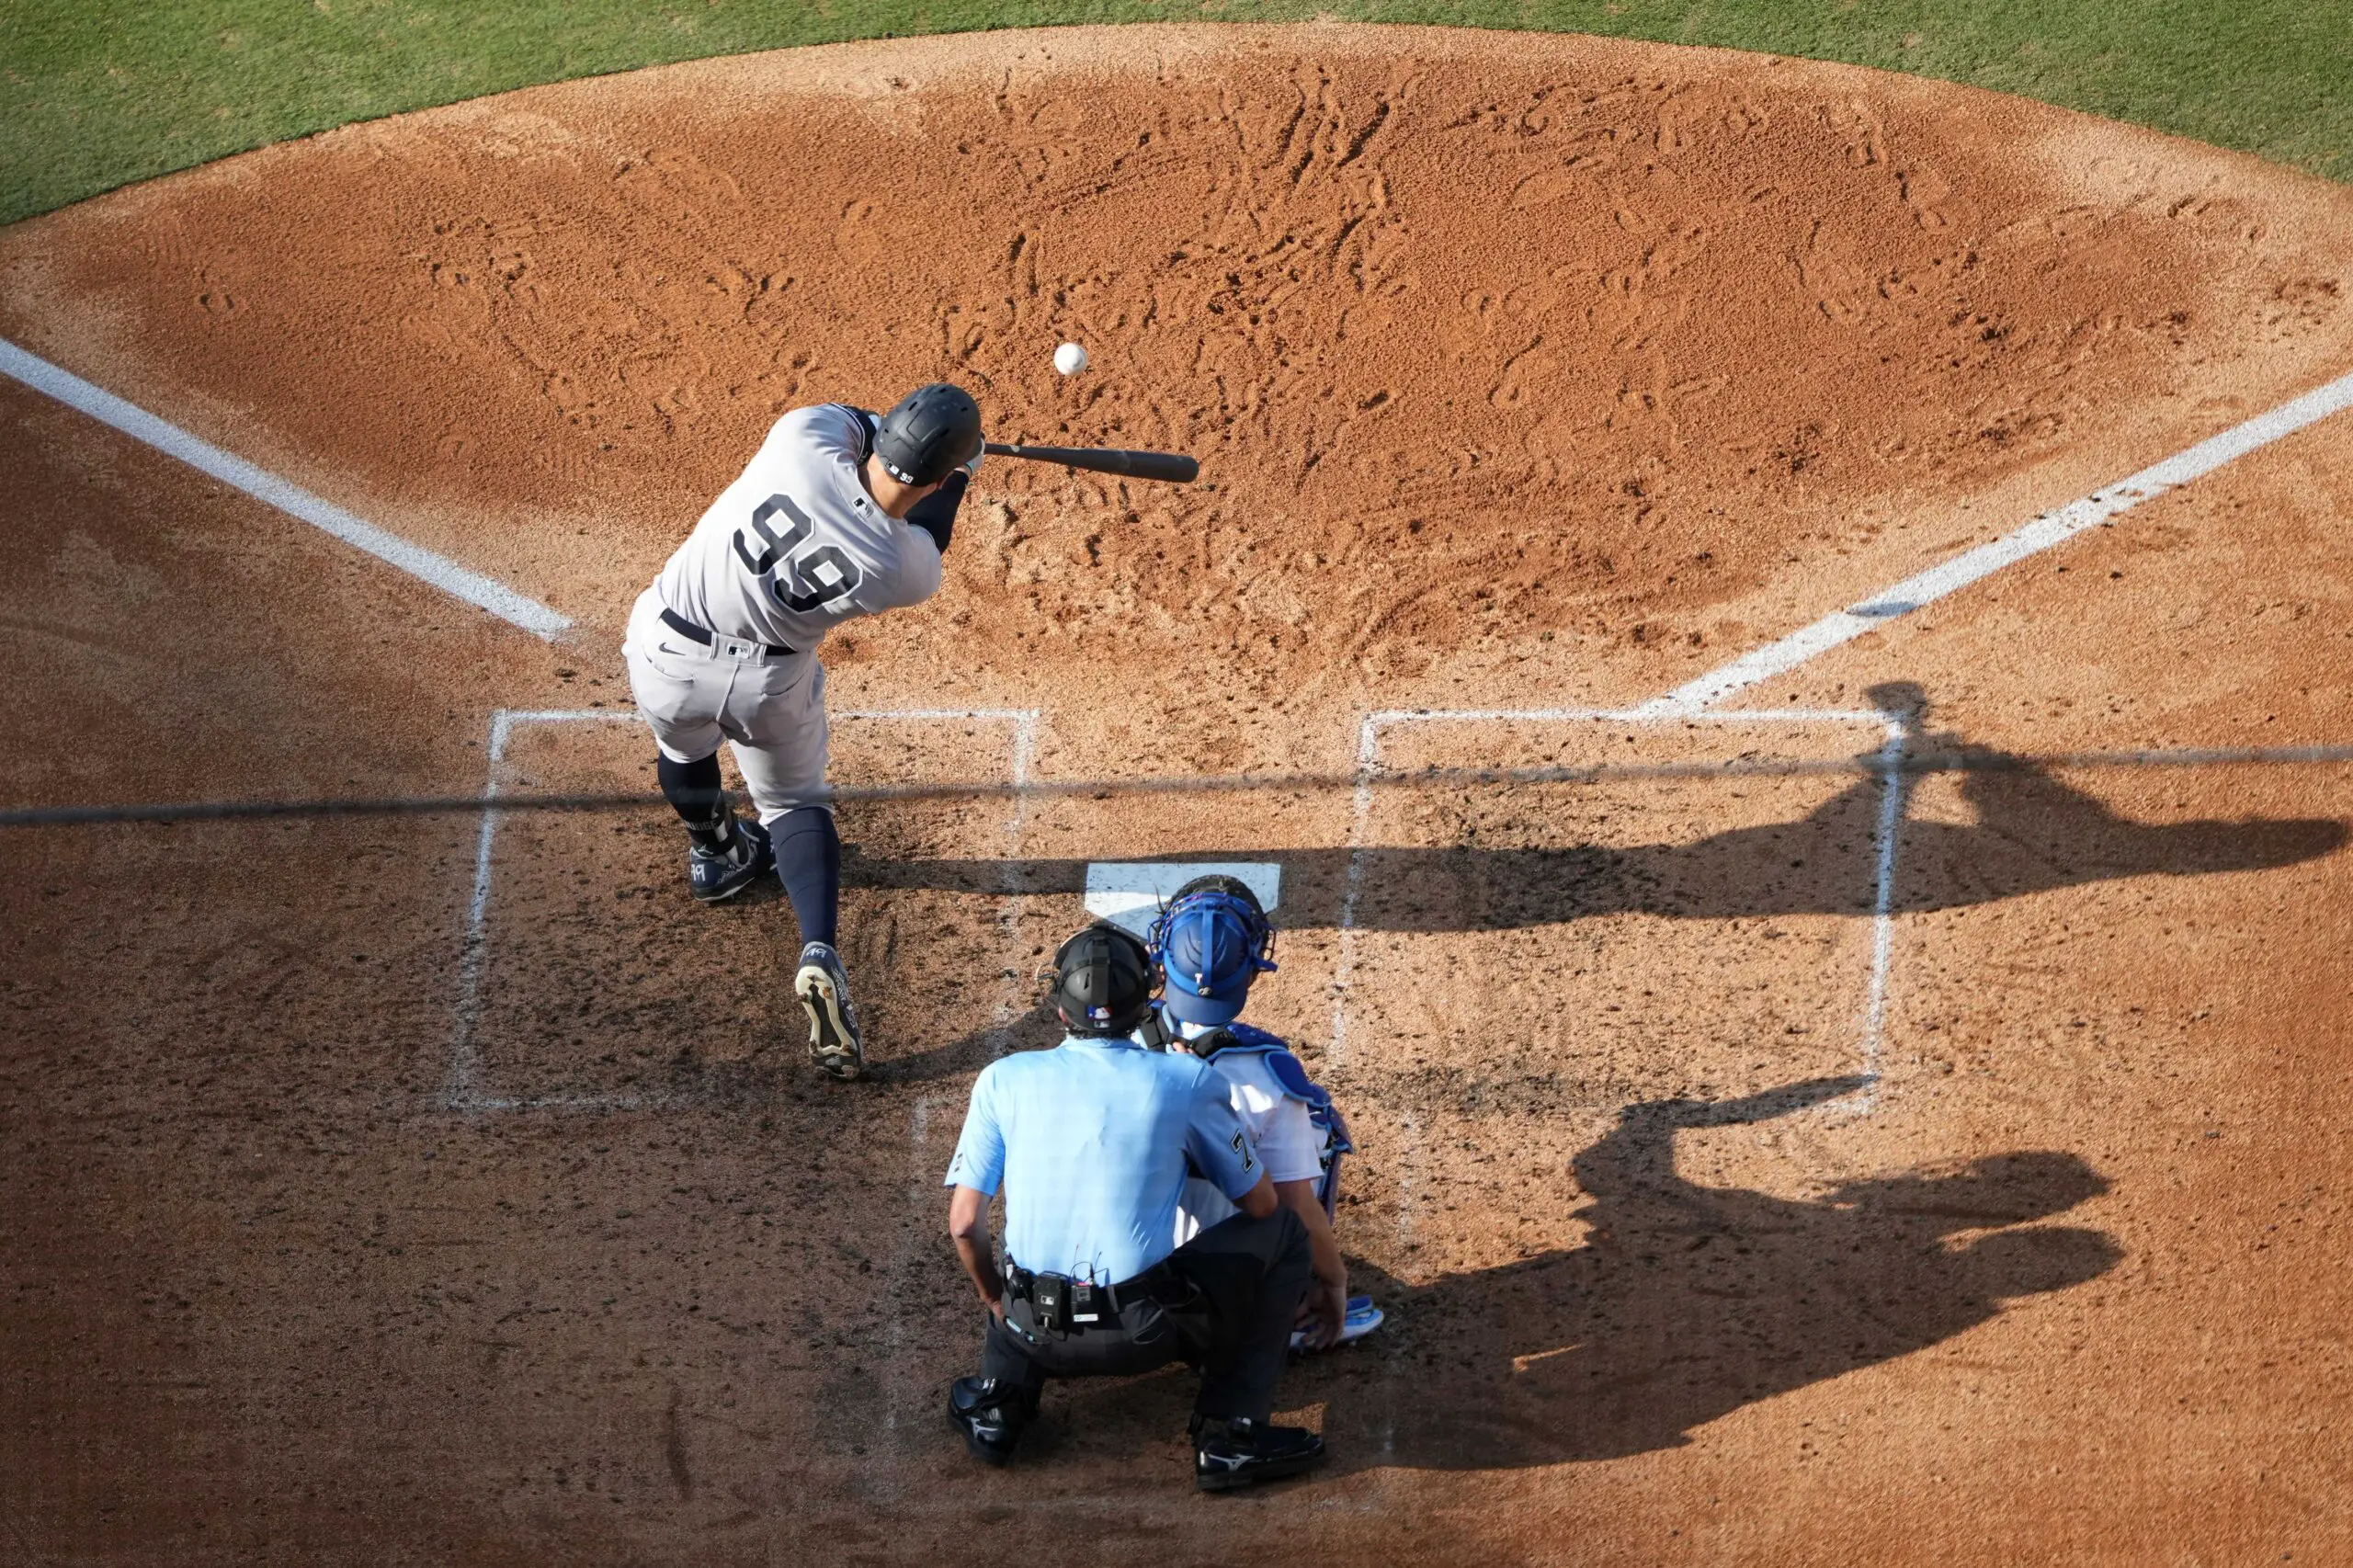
1688, 1302
2033, 833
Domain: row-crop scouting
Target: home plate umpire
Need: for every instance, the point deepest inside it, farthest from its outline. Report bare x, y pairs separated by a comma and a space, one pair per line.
1090, 1142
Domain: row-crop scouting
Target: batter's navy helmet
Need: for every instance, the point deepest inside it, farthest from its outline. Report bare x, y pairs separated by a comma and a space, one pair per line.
1102, 980
934, 431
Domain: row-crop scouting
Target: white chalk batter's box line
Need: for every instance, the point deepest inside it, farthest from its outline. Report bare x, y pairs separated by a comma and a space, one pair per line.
1689, 702
1406, 1159
464, 1093
1895, 728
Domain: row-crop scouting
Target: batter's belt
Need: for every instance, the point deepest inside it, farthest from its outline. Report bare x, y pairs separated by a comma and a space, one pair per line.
709, 638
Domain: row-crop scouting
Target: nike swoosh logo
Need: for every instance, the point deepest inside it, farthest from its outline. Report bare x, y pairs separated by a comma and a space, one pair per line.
665, 647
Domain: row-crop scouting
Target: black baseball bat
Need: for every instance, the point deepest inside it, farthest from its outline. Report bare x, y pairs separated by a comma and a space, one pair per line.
1174, 467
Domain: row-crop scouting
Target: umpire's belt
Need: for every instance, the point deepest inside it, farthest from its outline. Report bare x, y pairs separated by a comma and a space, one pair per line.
732, 647
1063, 1304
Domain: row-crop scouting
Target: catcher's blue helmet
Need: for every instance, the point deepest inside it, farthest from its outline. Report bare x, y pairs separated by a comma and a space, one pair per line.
1210, 942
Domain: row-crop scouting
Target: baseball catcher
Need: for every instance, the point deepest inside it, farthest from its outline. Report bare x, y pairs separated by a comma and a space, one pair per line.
1211, 941
840, 513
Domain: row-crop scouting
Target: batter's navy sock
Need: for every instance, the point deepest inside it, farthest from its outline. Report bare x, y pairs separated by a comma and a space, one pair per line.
692, 789
808, 863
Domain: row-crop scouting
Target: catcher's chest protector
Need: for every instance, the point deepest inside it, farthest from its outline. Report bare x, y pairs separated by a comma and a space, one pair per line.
1290, 1075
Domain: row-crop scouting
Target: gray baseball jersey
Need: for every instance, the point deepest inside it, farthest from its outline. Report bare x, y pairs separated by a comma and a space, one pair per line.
796, 545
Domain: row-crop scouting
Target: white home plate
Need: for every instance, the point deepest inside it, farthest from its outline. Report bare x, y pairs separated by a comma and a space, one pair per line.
1130, 893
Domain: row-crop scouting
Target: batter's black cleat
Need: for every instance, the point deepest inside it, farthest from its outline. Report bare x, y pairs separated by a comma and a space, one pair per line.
824, 990
1235, 1453
722, 873
991, 1416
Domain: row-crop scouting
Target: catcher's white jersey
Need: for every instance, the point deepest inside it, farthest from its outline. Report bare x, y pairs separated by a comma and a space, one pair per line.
796, 545
1287, 1144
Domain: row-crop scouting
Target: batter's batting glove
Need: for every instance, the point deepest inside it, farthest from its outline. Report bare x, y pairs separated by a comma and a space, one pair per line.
972, 468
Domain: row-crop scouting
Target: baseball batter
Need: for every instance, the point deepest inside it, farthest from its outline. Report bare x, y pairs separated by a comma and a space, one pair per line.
841, 513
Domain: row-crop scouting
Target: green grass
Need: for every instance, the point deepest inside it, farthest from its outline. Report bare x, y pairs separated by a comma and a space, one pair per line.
95, 93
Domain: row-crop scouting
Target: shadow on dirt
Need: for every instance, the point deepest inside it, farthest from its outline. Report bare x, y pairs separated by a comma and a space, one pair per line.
1036, 1030
2032, 833
1686, 1304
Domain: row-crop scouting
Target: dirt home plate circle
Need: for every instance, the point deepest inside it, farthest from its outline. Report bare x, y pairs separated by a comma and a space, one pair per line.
1530, 379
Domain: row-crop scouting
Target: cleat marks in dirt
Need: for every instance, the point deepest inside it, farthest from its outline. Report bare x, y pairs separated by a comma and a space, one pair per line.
1476, 285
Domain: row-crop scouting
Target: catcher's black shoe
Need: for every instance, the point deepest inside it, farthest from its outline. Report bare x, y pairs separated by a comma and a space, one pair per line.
991, 1416
1238, 1452
824, 990
722, 873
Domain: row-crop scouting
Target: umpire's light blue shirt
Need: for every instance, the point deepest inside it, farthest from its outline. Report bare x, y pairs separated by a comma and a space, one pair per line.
1089, 1141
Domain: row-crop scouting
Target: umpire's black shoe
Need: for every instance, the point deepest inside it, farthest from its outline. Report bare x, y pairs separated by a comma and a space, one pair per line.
991, 1416
722, 873
1227, 1454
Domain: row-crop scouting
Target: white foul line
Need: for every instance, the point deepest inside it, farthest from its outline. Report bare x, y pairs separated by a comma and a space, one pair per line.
439, 571
2052, 527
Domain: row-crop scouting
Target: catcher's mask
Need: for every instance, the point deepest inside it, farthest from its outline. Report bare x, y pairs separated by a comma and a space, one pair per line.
1211, 941
1101, 981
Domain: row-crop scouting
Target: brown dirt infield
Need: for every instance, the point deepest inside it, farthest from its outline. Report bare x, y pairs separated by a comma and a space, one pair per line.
1523, 371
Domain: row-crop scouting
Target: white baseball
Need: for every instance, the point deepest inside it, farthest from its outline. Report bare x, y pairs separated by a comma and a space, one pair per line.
1070, 359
